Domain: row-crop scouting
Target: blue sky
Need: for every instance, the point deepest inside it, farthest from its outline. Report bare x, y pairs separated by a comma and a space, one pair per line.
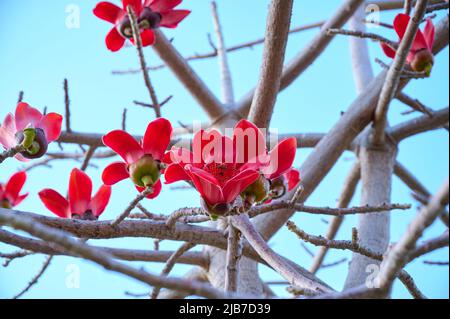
39, 51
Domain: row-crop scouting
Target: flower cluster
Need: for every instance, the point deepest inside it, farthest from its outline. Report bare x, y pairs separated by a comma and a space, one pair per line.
151, 14
223, 169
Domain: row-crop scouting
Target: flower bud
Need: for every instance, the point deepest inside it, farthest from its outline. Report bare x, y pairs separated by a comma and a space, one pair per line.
217, 210
34, 141
423, 61
149, 19
145, 172
278, 187
124, 27
256, 192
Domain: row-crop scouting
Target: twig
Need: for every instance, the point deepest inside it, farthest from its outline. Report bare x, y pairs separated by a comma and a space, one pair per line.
214, 53
187, 76
132, 205
11, 152
87, 157
363, 35
436, 7
234, 252
286, 270
326, 210
67, 105
408, 6
20, 98
277, 33
36, 278
435, 263
398, 255
227, 83
355, 247
334, 264
124, 119
138, 43
393, 76
419, 125
415, 104
345, 198
184, 212
170, 264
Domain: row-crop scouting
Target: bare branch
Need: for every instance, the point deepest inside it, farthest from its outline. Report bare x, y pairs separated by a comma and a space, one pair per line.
234, 252
398, 255
225, 73
187, 76
36, 278
419, 125
138, 43
393, 77
170, 264
132, 205
277, 33
312, 51
107, 261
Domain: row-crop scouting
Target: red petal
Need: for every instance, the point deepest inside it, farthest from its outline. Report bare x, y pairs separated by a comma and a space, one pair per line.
55, 203
157, 138
51, 124
80, 191
27, 115
206, 185
388, 50
175, 173
108, 12
156, 190
293, 177
238, 184
429, 34
114, 41
124, 144
100, 200
207, 146
172, 18
162, 5
281, 158
135, 4
249, 141
20, 199
147, 37
14, 186
115, 173
401, 24
8, 131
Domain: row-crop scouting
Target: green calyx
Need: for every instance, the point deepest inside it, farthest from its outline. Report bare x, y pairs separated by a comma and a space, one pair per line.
423, 62
145, 172
256, 192
29, 135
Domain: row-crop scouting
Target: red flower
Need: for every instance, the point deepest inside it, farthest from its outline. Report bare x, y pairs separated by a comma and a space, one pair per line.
47, 128
222, 168
151, 15
420, 57
142, 159
9, 192
80, 203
